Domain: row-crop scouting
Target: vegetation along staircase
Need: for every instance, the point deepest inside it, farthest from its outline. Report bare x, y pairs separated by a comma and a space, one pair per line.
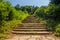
31, 25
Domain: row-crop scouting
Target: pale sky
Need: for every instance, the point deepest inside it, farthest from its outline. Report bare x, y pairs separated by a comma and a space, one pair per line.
30, 2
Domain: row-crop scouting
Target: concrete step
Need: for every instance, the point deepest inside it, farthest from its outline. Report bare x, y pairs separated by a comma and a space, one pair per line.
30, 29
32, 25
30, 20
31, 32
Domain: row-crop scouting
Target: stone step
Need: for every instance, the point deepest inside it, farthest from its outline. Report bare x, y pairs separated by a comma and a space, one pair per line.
31, 19
31, 32
31, 28
32, 24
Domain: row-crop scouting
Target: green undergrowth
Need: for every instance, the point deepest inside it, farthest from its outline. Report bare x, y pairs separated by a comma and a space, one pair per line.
57, 30
6, 28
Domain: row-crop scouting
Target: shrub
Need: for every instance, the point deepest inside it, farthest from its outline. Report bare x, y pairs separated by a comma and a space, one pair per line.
57, 30
9, 18
7, 27
20, 15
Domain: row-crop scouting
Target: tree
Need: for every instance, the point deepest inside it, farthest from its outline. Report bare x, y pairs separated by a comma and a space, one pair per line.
56, 2
10, 15
17, 7
29, 9
3, 0
40, 12
54, 11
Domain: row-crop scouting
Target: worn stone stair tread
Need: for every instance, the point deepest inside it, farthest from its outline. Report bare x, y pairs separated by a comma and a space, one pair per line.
31, 25
33, 32
34, 23
30, 19
30, 29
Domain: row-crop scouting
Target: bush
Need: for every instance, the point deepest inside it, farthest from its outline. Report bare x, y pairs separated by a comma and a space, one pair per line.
20, 15
40, 12
57, 30
9, 18
7, 27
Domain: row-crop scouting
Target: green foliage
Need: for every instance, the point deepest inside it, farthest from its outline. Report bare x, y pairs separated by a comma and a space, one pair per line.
2, 0
40, 12
53, 11
51, 24
56, 2
11, 15
54, 14
51, 14
7, 27
9, 18
57, 30
17, 7
20, 15
29, 9
3, 10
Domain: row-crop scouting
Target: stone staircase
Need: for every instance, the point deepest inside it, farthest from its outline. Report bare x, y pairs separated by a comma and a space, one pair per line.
29, 26
31, 19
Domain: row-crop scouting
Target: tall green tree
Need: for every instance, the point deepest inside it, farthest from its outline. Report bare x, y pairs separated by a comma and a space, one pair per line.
29, 9
17, 7
56, 2
40, 12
